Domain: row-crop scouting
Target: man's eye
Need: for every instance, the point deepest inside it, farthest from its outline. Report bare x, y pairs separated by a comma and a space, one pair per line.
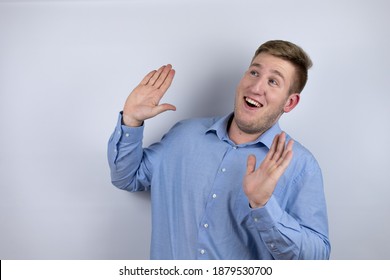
253, 73
273, 82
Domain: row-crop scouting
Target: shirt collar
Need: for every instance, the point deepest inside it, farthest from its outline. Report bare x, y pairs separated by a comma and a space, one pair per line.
221, 125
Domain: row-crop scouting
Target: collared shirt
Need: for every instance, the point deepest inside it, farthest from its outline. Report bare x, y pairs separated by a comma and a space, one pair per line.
199, 209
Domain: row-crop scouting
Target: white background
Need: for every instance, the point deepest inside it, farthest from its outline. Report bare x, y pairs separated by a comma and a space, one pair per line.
66, 68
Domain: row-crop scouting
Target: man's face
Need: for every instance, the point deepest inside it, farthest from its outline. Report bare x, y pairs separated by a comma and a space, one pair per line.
263, 94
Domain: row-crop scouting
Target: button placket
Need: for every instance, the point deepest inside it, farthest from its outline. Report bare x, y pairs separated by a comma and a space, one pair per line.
205, 227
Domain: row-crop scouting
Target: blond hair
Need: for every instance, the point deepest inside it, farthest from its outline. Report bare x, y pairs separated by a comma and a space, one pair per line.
292, 53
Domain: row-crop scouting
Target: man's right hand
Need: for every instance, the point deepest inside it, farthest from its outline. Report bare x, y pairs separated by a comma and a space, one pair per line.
143, 101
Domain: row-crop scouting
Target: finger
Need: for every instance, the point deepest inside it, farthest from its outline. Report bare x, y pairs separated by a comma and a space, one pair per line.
146, 79
250, 164
272, 149
156, 75
288, 148
163, 76
290, 145
282, 166
168, 81
285, 162
279, 147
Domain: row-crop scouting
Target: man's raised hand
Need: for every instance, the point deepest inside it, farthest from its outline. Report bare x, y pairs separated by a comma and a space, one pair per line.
260, 183
143, 101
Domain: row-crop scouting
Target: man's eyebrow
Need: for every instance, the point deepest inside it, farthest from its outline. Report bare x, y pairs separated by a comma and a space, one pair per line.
276, 72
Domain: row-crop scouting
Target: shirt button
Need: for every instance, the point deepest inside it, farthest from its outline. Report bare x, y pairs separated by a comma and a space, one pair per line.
223, 169
235, 148
127, 135
206, 225
214, 196
202, 252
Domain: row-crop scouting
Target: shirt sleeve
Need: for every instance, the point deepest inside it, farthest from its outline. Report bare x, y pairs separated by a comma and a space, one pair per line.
300, 230
129, 164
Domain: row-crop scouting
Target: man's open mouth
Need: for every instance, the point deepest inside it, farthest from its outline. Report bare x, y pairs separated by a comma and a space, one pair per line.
252, 103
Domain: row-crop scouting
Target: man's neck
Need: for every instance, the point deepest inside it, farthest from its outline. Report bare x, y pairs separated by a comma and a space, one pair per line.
240, 137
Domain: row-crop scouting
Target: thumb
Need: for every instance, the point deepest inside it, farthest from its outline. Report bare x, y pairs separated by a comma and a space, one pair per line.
250, 164
162, 108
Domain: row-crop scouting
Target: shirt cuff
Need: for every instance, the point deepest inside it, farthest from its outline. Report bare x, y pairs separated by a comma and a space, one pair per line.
128, 134
266, 217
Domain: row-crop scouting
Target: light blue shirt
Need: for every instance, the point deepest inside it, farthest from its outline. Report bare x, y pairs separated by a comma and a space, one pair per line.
199, 209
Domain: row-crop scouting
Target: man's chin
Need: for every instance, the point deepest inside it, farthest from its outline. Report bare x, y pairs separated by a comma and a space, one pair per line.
248, 127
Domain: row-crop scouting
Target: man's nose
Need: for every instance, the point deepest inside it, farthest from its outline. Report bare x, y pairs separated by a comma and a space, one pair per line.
258, 86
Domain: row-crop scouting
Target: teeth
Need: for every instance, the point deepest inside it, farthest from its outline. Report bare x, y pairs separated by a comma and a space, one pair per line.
253, 102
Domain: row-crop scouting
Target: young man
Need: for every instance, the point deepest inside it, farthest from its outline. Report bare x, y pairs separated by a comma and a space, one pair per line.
210, 199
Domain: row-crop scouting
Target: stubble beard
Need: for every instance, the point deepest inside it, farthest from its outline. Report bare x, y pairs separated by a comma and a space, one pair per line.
258, 126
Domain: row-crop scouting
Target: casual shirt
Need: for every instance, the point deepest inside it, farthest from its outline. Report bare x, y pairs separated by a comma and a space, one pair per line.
199, 209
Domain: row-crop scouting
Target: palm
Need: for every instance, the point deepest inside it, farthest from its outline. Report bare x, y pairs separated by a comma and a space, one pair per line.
259, 184
143, 102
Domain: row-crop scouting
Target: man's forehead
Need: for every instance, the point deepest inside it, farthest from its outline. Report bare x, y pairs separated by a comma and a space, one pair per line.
272, 70
273, 64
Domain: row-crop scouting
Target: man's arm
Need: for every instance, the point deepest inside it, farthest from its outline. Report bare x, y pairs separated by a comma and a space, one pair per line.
300, 233
129, 163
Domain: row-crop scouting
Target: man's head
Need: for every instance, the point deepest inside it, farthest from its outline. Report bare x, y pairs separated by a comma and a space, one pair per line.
270, 87
292, 53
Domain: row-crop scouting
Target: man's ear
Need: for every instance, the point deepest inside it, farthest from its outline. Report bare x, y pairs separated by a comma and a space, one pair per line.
291, 102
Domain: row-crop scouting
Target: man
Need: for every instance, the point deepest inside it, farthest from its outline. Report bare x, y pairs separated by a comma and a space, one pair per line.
210, 199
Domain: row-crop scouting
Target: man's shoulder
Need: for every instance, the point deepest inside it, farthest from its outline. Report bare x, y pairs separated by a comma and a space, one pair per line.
303, 156
196, 125
189, 130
